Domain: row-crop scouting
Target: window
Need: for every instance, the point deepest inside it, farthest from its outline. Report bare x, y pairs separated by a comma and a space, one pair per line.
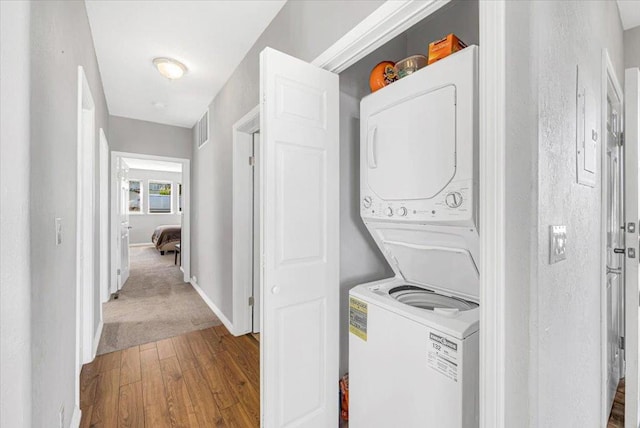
159, 197
135, 196
180, 197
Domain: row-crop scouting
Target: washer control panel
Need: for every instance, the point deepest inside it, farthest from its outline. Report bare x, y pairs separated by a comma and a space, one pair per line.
453, 205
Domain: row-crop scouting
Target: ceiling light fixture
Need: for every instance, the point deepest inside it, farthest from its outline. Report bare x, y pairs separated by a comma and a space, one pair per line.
170, 68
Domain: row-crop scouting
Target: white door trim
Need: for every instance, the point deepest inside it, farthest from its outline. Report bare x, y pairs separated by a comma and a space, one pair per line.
492, 82
608, 73
388, 21
85, 225
185, 250
104, 219
242, 266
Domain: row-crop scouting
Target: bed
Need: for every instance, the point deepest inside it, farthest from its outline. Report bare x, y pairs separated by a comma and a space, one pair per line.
166, 237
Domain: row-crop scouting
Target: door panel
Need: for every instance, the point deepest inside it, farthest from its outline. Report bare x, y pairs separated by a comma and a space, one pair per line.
632, 210
124, 224
299, 168
614, 239
392, 157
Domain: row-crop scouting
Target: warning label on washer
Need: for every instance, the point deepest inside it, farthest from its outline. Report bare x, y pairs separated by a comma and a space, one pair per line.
442, 356
358, 318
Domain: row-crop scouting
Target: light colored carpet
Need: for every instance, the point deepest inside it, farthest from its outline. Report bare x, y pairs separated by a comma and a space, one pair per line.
155, 303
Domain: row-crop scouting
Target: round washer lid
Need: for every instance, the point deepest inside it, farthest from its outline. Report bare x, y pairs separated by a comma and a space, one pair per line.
426, 299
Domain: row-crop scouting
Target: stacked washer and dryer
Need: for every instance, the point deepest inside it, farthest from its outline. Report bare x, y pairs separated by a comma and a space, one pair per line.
413, 342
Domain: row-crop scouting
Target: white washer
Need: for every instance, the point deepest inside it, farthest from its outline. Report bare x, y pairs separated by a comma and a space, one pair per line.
413, 342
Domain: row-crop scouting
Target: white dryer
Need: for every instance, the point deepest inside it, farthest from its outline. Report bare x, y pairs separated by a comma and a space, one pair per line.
413, 342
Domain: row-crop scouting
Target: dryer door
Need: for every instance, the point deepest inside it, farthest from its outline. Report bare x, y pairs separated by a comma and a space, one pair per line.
411, 146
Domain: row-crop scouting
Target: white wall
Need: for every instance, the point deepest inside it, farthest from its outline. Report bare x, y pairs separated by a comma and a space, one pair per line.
139, 136
553, 366
60, 42
632, 47
303, 29
144, 224
15, 281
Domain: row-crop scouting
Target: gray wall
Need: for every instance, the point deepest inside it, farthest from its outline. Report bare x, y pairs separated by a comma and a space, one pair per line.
632, 48
144, 224
553, 368
15, 280
60, 41
303, 29
149, 138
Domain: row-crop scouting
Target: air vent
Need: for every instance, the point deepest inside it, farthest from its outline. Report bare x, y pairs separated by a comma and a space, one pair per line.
202, 129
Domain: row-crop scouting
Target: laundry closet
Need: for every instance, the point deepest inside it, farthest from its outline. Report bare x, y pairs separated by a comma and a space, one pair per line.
409, 211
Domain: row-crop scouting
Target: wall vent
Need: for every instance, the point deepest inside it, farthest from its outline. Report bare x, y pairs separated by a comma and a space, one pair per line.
202, 129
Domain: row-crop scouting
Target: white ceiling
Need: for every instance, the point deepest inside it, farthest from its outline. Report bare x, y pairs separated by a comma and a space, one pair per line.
209, 37
154, 165
629, 13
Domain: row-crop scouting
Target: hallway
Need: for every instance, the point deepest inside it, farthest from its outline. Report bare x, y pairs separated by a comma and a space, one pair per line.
205, 378
155, 303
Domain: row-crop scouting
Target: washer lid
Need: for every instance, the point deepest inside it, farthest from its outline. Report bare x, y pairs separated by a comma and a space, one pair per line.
439, 258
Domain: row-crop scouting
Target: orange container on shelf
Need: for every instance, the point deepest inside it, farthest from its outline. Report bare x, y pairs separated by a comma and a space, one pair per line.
444, 47
382, 75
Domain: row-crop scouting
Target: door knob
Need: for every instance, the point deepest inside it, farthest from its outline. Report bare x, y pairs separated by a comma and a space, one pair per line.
275, 289
619, 250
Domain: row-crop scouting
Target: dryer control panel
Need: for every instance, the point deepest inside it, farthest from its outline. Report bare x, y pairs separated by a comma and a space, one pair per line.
453, 206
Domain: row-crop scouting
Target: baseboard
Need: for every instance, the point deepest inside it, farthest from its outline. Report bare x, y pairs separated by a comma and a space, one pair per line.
96, 339
76, 417
228, 324
144, 244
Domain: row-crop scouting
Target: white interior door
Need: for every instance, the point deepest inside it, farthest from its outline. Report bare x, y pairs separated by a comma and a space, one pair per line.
613, 170
125, 227
632, 295
300, 243
256, 233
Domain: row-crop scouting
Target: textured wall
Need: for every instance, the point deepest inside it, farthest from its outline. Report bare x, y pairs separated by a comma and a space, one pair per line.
566, 334
15, 280
60, 42
303, 29
632, 47
149, 138
144, 224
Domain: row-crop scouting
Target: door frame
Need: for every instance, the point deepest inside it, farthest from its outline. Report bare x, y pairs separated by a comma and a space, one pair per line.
242, 266
104, 219
185, 249
85, 224
389, 20
608, 73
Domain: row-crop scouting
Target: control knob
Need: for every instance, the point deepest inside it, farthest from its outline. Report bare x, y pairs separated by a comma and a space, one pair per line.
366, 202
453, 199
389, 212
402, 211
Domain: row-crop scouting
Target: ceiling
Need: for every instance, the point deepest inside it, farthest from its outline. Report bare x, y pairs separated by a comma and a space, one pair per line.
154, 165
629, 13
209, 37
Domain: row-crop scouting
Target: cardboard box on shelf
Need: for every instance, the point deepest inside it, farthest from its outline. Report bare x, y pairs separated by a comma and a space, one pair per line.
444, 47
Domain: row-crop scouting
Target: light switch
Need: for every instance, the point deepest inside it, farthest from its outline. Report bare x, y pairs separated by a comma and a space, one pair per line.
557, 243
58, 231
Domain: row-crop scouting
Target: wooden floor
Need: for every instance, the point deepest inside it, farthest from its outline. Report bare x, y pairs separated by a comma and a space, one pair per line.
616, 418
205, 378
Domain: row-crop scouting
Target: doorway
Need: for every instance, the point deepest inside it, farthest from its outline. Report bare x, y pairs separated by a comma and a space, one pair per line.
85, 226
612, 236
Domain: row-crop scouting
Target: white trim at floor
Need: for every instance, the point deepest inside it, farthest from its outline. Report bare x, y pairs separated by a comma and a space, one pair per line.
228, 324
96, 339
76, 417
143, 244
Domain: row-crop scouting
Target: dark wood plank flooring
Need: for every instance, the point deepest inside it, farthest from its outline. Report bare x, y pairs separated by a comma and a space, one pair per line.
616, 418
205, 378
